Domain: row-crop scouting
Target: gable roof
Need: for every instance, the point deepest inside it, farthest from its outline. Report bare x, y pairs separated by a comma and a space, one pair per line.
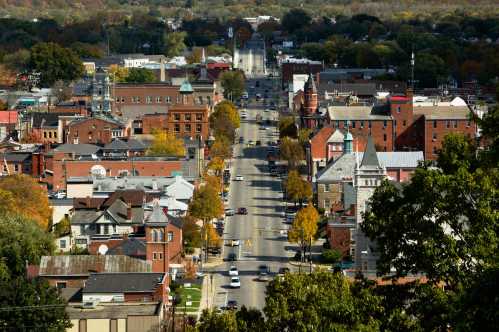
370, 158
180, 189
78, 149
318, 142
341, 113
46, 119
83, 265
119, 210
131, 247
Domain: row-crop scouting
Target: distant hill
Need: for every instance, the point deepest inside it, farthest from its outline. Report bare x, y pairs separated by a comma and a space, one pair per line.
68, 10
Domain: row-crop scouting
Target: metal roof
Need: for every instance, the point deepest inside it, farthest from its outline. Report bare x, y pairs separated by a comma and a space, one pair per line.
122, 282
342, 113
79, 149
83, 265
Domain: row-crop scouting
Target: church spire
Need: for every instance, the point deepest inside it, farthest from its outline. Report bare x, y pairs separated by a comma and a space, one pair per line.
370, 158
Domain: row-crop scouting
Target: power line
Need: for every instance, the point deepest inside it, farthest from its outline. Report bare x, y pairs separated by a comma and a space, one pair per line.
34, 307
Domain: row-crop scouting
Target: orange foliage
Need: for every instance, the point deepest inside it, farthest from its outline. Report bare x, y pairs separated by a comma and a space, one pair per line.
21, 195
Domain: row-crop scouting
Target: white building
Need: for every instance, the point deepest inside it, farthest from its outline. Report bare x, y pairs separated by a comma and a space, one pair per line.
251, 59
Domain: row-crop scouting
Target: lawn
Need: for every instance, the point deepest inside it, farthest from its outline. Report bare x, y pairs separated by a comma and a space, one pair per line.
192, 294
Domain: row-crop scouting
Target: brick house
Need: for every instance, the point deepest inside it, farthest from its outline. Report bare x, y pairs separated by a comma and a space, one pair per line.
16, 163
325, 145
95, 130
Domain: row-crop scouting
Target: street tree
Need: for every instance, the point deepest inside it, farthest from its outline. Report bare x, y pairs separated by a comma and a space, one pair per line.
54, 62
221, 148
287, 127
140, 75
213, 181
191, 232
21, 195
233, 84
174, 43
212, 321
214, 240
297, 189
292, 152
226, 107
166, 144
304, 227
62, 91
216, 165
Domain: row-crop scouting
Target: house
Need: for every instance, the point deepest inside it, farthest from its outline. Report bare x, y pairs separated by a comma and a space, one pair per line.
16, 163
325, 145
8, 124
95, 130
120, 148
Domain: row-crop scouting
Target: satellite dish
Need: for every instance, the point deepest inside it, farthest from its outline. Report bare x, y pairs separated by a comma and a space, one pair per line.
98, 171
103, 249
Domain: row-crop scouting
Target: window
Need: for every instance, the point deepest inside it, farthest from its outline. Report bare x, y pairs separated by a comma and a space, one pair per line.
161, 236
200, 99
160, 256
345, 124
198, 128
384, 137
62, 244
370, 124
16, 167
434, 123
178, 99
154, 256
434, 136
170, 236
122, 99
327, 203
404, 122
117, 99
353, 124
60, 284
448, 124
337, 123
398, 109
106, 229
44, 134
176, 116
199, 117
158, 100
455, 123
55, 134
187, 117
384, 123
326, 187
468, 124
395, 123
177, 128
188, 127
149, 99
81, 241
361, 124
50, 134
168, 99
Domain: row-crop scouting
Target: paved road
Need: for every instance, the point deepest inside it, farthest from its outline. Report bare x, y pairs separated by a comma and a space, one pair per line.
261, 232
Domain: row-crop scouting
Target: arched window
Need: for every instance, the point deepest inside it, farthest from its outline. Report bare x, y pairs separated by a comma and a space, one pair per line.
154, 235
161, 235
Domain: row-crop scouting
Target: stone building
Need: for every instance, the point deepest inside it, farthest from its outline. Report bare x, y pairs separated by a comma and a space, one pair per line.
251, 59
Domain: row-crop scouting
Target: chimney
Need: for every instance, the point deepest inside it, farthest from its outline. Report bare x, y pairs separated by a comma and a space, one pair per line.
162, 70
129, 211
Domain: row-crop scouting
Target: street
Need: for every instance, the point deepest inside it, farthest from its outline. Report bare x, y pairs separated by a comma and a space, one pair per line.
262, 232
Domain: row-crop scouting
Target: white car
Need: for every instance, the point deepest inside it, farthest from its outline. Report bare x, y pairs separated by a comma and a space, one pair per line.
234, 243
239, 178
235, 282
244, 115
233, 271
229, 212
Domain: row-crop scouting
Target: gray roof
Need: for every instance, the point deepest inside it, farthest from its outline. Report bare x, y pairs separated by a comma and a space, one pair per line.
357, 113
15, 157
118, 211
116, 311
134, 112
370, 158
342, 169
83, 265
85, 216
79, 149
122, 282
146, 183
121, 145
443, 112
131, 247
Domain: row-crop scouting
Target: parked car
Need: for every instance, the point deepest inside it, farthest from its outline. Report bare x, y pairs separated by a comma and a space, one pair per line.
258, 143
232, 257
232, 305
233, 271
263, 268
283, 270
263, 276
242, 210
239, 178
234, 243
229, 212
235, 282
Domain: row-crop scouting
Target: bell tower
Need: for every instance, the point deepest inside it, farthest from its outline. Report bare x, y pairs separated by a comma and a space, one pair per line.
310, 103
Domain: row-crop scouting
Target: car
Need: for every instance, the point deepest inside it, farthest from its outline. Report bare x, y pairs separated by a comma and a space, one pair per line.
60, 194
242, 210
273, 107
262, 128
235, 282
244, 95
258, 143
231, 305
229, 212
234, 243
241, 140
239, 178
258, 96
263, 268
263, 276
251, 143
283, 270
233, 271
232, 257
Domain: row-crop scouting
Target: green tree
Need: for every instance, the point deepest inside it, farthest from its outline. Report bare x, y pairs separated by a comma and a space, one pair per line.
225, 120
212, 321
18, 61
457, 152
140, 75
54, 62
490, 135
292, 152
320, 301
304, 227
331, 256
62, 91
295, 19
166, 144
249, 320
233, 84
287, 127
174, 43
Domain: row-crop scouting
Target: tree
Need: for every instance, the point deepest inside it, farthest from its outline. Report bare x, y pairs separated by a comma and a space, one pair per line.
140, 75
297, 189
320, 301
62, 228
287, 127
233, 84
174, 43
296, 19
21, 195
457, 151
291, 151
62, 91
490, 134
304, 227
331, 256
221, 148
214, 240
54, 62
227, 107
191, 232
212, 321
117, 73
304, 135
166, 144
17, 61
213, 181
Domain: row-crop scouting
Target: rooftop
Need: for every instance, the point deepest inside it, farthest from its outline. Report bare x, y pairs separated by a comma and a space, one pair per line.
357, 113
122, 282
115, 311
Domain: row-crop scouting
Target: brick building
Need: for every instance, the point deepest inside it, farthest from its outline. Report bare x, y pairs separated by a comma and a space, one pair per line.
291, 67
95, 130
126, 94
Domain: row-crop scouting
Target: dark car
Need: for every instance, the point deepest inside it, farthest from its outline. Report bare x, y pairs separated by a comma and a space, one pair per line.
284, 270
232, 257
258, 143
241, 139
263, 268
232, 305
242, 210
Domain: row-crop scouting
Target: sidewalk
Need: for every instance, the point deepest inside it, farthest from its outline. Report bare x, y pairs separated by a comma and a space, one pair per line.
207, 294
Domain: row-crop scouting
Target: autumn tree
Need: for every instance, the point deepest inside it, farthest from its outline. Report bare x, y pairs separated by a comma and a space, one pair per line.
140, 75
214, 240
233, 84
117, 73
304, 227
62, 91
206, 205
287, 127
221, 148
191, 232
292, 152
174, 43
21, 195
216, 164
297, 189
166, 144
